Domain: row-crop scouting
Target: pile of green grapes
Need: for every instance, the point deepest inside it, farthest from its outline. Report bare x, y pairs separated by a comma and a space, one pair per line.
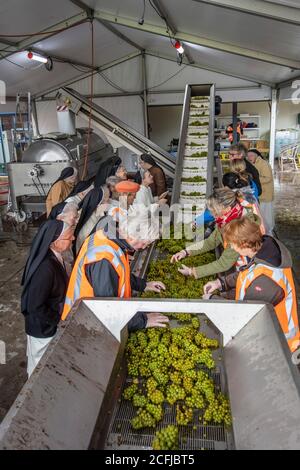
177, 285
166, 367
166, 439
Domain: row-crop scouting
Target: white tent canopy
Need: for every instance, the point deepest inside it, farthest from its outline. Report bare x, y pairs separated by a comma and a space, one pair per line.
211, 30
245, 48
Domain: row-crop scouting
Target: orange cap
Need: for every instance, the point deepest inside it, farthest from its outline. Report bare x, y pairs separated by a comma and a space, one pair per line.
127, 187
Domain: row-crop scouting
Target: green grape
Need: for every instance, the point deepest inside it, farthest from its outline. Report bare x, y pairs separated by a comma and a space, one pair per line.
204, 342
176, 378
143, 419
195, 400
139, 401
157, 397
151, 385
184, 415
155, 410
218, 411
205, 357
166, 439
196, 323
188, 384
191, 374
174, 393
130, 391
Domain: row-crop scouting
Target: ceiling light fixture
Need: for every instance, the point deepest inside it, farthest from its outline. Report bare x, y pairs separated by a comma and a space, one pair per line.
39, 58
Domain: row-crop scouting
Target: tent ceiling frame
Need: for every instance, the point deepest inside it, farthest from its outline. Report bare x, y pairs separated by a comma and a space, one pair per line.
137, 54
30, 41
117, 33
287, 83
171, 25
201, 41
73, 80
90, 13
282, 13
215, 70
140, 93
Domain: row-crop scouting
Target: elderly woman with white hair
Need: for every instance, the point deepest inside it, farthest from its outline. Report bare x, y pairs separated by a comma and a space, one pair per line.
102, 267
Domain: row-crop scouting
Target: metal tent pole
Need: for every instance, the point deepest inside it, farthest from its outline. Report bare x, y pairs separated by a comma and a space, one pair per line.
145, 95
275, 95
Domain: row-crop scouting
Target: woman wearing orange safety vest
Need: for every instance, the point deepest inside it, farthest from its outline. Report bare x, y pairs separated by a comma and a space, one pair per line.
102, 270
267, 277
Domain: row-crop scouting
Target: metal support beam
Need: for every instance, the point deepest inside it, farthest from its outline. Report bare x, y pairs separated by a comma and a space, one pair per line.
8, 43
51, 31
140, 93
165, 14
201, 41
89, 11
162, 10
287, 83
120, 35
198, 40
35, 116
270, 10
214, 70
145, 97
88, 74
235, 121
275, 95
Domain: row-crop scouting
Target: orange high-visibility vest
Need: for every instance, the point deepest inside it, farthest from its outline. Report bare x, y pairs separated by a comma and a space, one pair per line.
97, 247
229, 131
286, 310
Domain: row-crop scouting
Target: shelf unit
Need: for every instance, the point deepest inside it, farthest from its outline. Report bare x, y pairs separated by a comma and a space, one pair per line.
250, 133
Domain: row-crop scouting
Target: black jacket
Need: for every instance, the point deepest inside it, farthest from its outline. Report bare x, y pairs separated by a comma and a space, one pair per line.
105, 281
46, 295
255, 175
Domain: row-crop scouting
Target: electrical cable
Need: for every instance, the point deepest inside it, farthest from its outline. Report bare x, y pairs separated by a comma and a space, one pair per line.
142, 19
91, 106
170, 34
172, 76
38, 190
41, 186
111, 83
53, 31
74, 66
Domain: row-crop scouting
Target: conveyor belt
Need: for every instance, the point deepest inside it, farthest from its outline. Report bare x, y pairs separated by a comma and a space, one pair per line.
195, 436
118, 130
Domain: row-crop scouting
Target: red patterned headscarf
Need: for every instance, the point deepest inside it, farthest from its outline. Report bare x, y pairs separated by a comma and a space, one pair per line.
235, 213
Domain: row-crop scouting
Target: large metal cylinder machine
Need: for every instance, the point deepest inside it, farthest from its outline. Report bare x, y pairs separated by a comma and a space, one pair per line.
42, 163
